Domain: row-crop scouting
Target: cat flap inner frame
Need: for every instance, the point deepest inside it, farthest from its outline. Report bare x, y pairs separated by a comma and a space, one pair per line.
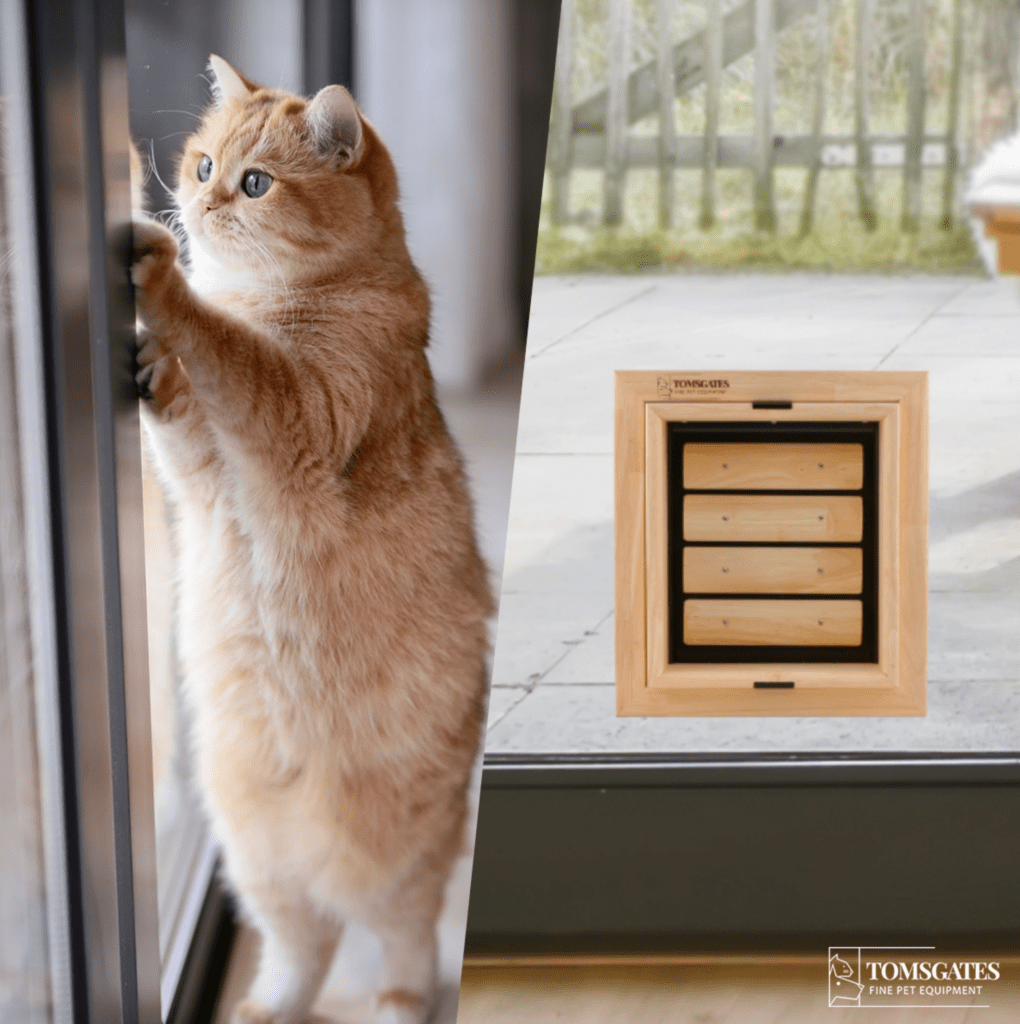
771, 543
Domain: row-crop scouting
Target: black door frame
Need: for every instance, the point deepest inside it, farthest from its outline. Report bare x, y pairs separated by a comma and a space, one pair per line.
711, 853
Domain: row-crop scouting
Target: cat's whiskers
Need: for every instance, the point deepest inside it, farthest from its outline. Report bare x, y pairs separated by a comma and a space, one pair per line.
155, 171
172, 219
187, 113
271, 265
268, 259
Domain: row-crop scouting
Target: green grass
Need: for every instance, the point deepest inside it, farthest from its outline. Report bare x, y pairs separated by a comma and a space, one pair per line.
833, 248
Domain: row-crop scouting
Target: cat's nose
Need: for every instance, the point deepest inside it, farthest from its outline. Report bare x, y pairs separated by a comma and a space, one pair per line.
213, 200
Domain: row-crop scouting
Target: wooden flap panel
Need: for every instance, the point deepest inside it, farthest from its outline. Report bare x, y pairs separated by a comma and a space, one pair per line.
763, 623
772, 570
778, 467
771, 518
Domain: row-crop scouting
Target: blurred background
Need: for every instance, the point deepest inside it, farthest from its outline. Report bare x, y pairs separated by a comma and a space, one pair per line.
780, 134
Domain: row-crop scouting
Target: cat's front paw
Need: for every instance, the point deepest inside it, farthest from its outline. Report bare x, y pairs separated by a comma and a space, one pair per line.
155, 272
154, 252
161, 378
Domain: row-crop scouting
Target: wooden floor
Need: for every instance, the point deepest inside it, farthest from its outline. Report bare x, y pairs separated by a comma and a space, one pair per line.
734, 991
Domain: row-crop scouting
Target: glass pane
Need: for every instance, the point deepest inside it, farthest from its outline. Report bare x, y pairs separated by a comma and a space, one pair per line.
25, 975
864, 307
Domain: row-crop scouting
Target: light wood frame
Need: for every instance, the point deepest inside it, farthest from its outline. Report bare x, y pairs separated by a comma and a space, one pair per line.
646, 683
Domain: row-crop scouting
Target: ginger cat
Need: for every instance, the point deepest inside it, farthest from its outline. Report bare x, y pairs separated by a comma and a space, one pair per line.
332, 603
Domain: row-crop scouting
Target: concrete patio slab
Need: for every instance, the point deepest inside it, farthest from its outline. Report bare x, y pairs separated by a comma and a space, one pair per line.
962, 716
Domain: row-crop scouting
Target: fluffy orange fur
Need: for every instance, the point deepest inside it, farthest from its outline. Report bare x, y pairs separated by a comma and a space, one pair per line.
333, 605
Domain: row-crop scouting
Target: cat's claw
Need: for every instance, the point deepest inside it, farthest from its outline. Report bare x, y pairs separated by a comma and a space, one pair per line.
147, 353
160, 378
143, 378
148, 350
142, 372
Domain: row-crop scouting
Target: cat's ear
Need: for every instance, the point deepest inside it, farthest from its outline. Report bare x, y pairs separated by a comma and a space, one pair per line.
335, 124
228, 84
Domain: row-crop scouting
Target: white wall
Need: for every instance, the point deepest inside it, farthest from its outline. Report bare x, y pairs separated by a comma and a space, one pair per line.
433, 76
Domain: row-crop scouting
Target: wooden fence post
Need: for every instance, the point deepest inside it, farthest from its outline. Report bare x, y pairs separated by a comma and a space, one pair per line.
807, 216
713, 61
953, 123
764, 74
667, 118
563, 116
865, 170
911, 218
616, 112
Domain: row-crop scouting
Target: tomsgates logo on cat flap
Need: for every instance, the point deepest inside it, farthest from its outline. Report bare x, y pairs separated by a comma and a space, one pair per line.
907, 977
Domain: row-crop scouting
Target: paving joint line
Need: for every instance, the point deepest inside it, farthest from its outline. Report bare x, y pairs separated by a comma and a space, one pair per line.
571, 645
516, 704
597, 316
935, 312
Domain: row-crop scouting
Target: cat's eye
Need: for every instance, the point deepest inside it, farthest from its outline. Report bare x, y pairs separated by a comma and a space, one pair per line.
256, 183
204, 168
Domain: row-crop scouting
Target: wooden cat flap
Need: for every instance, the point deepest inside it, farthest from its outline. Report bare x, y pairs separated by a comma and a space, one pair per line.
771, 543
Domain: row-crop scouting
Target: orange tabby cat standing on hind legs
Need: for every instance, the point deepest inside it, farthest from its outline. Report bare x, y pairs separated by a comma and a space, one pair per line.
333, 605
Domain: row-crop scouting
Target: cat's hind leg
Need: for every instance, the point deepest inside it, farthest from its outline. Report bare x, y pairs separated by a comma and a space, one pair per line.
405, 922
298, 943
410, 969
